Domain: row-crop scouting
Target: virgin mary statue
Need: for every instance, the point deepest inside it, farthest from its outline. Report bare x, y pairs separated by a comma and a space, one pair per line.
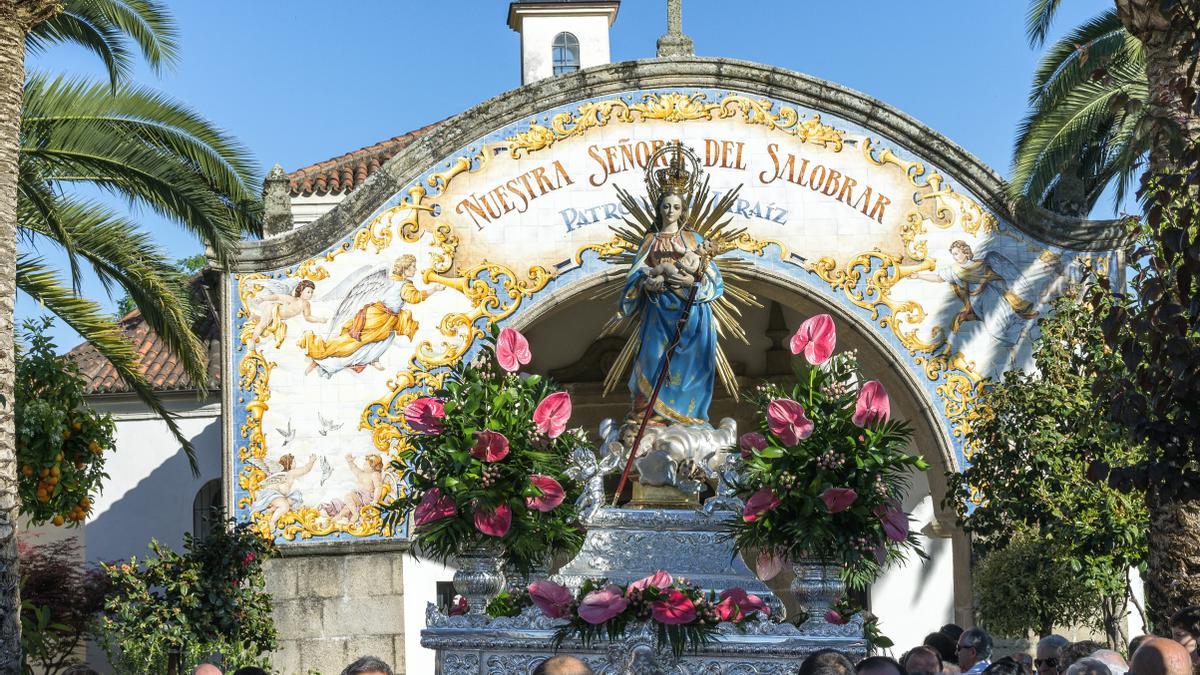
675, 259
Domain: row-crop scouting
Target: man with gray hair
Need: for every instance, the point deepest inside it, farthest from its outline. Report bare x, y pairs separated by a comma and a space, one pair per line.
368, 665
1089, 666
1050, 658
1115, 662
562, 665
974, 651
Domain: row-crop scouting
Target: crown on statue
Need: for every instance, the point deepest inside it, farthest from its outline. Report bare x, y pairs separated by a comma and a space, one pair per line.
677, 178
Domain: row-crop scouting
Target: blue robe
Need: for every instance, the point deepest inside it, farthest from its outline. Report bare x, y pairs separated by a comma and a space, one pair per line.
687, 391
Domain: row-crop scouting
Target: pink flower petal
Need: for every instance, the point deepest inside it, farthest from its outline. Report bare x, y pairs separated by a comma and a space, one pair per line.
552, 414
424, 415
786, 420
674, 608
554, 600
832, 616
433, 506
768, 566
459, 607
838, 499
494, 523
552, 493
745, 602
759, 503
894, 521
660, 580
751, 442
602, 605
816, 338
512, 350
872, 405
490, 446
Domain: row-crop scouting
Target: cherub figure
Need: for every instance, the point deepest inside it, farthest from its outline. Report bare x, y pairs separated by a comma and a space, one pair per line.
280, 300
275, 493
369, 479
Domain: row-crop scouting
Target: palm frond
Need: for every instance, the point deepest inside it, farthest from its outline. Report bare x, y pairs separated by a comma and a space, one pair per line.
1101, 42
1038, 19
37, 280
106, 28
35, 200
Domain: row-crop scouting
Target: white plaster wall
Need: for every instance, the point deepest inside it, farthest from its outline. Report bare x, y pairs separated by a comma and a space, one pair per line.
916, 598
420, 588
537, 38
307, 209
150, 488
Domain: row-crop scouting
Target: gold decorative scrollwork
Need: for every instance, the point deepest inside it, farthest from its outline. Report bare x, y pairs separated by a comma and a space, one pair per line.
948, 207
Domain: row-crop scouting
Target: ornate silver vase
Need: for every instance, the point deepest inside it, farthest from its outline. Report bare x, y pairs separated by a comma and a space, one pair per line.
816, 586
479, 577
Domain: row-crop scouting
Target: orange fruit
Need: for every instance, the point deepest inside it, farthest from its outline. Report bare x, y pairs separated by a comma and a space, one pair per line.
85, 502
44, 472
94, 447
76, 426
27, 470
57, 520
58, 457
66, 434
55, 472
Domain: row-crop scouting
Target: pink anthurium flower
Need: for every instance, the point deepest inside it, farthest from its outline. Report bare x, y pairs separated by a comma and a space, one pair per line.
552, 493
838, 499
786, 420
659, 580
459, 607
552, 414
433, 506
833, 616
425, 415
494, 523
759, 503
490, 446
512, 350
751, 442
894, 521
816, 338
554, 600
768, 565
741, 603
602, 605
872, 406
674, 608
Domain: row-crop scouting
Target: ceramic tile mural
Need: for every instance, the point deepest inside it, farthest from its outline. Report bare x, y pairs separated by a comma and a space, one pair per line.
328, 351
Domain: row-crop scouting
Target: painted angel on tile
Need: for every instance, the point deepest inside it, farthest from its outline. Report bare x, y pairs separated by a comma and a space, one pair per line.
370, 314
369, 488
274, 302
276, 493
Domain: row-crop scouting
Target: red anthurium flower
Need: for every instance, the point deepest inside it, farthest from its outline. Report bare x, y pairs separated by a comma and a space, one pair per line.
895, 522
786, 420
554, 600
745, 602
751, 442
602, 605
459, 607
833, 616
872, 406
552, 493
816, 338
425, 415
494, 523
552, 414
767, 566
759, 503
659, 580
727, 610
838, 499
674, 608
434, 506
512, 350
490, 446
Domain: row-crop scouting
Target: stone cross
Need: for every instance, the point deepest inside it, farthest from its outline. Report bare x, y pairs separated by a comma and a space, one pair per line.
675, 43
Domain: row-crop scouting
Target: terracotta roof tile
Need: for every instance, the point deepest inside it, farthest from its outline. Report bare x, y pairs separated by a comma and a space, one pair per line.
344, 173
159, 365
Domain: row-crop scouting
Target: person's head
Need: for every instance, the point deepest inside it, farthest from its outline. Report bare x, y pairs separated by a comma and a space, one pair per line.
1081, 650
1185, 628
1050, 657
368, 665
405, 266
375, 462
304, 289
670, 209
1115, 662
954, 630
974, 645
206, 669
1089, 666
922, 660
562, 664
826, 662
944, 644
1137, 642
81, 669
961, 251
879, 665
1160, 656
287, 461
250, 670
1004, 666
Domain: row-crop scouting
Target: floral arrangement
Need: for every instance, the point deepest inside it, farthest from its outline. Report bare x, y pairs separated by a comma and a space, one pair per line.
824, 476
487, 461
685, 615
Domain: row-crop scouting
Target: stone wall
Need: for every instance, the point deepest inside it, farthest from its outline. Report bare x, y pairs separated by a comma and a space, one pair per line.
332, 609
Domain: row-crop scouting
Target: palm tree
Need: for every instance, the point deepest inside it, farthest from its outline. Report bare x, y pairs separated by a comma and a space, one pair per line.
126, 140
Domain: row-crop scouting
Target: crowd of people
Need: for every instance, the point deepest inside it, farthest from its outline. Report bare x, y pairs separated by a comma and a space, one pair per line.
948, 651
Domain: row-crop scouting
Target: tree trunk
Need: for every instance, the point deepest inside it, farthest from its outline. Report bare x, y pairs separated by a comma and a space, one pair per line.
1173, 558
16, 17
1113, 616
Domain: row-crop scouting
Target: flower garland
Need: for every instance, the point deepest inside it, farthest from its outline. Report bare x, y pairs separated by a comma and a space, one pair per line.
486, 463
686, 617
824, 476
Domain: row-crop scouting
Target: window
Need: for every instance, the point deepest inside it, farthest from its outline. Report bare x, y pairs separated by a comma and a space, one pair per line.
566, 53
204, 509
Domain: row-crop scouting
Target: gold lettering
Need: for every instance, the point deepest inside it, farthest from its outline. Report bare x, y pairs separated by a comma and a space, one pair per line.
775, 173
594, 153
881, 203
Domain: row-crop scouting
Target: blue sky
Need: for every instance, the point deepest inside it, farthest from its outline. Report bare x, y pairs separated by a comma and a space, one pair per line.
300, 81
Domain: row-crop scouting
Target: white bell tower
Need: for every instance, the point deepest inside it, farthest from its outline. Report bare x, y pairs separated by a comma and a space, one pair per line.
561, 36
